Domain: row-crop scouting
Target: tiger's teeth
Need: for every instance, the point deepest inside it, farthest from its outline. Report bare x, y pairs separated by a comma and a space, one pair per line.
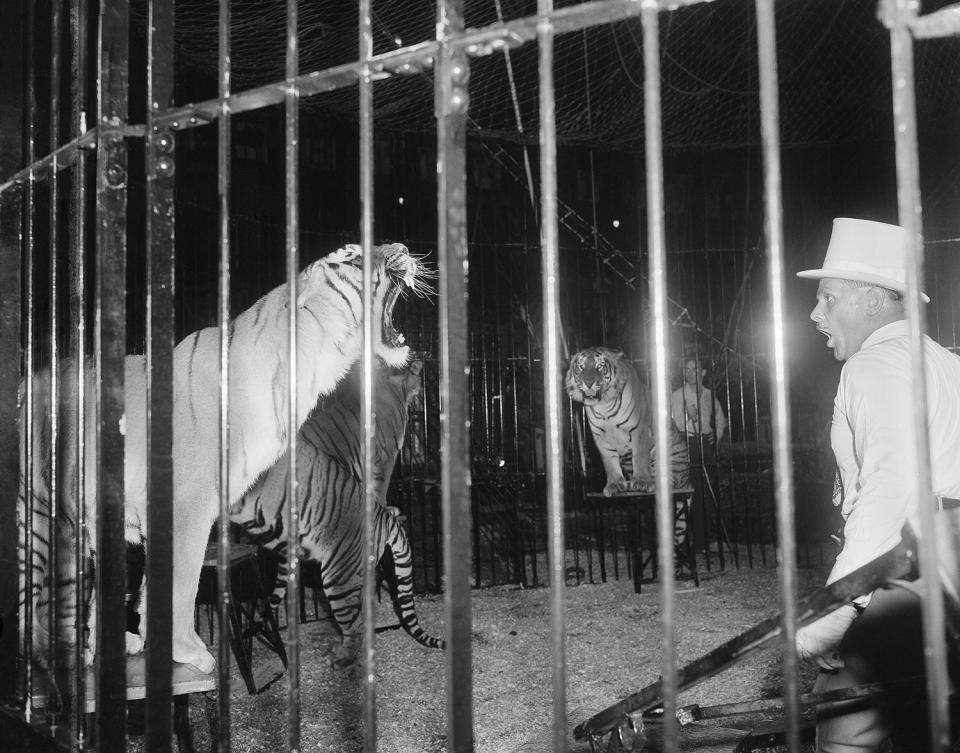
401, 339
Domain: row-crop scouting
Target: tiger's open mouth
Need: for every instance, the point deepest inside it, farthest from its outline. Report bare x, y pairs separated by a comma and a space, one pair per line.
590, 393
389, 333
405, 273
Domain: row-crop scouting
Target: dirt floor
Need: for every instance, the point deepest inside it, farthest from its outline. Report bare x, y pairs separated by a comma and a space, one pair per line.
613, 650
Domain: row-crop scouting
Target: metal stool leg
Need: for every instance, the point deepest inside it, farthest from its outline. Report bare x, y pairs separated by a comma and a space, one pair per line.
687, 548
240, 653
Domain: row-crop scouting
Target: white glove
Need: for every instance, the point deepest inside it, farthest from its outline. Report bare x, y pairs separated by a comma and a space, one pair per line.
819, 640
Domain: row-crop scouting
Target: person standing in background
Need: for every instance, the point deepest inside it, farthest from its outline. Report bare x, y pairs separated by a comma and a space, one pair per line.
699, 416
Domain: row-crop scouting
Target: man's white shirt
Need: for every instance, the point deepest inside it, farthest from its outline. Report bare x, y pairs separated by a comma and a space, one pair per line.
872, 438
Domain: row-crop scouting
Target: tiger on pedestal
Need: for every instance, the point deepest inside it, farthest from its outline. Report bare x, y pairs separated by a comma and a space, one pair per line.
329, 339
618, 408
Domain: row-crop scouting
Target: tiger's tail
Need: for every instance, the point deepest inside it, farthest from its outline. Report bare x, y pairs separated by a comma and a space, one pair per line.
393, 542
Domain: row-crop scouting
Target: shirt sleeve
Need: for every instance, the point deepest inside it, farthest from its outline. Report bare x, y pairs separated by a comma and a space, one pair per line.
875, 401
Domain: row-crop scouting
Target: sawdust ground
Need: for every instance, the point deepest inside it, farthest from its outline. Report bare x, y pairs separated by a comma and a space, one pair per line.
612, 650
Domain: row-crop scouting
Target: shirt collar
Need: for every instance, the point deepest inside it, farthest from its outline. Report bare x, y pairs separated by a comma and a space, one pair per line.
889, 331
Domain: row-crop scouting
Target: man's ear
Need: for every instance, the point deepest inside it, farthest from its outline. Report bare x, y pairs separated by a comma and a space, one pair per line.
873, 300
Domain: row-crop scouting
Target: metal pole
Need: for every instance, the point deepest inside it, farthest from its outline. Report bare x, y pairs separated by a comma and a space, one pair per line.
783, 461
26, 248
552, 370
55, 532
160, 164
291, 167
897, 14
223, 302
452, 103
661, 400
11, 271
109, 350
370, 556
79, 11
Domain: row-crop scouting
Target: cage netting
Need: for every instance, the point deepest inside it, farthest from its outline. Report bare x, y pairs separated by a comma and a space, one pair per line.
834, 70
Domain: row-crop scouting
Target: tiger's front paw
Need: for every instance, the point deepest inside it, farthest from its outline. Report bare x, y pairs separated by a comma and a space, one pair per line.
613, 486
642, 485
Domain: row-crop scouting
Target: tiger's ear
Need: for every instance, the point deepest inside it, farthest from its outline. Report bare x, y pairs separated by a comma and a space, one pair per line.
615, 353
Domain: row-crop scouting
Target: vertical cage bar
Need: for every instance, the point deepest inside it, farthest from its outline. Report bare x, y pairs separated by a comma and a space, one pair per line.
26, 248
366, 405
451, 106
779, 377
11, 271
552, 369
653, 138
223, 300
292, 135
78, 313
55, 532
110, 348
897, 14
10, 320
159, 152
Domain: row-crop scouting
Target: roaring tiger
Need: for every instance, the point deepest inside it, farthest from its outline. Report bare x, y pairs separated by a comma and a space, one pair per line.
329, 471
618, 409
329, 340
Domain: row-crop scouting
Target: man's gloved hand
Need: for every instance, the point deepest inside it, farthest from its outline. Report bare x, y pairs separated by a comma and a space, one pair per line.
819, 640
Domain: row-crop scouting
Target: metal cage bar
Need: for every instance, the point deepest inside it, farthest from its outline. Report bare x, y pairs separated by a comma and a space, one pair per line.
451, 105
898, 15
10, 333
656, 239
780, 377
78, 298
109, 352
11, 299
291, 108
552, 371
160, 243
370, 500
224, 70
27, 249
53, 291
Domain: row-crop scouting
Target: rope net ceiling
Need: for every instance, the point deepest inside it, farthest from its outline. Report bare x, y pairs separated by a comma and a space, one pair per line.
834, 70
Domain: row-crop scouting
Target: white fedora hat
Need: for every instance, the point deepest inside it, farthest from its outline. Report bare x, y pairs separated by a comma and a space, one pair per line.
866, 251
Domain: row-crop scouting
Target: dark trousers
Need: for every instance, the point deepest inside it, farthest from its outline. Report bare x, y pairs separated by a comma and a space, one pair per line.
884, 645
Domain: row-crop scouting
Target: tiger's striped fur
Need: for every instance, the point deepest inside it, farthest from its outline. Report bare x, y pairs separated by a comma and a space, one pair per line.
331, 516
618, 409
329, 297
66, 527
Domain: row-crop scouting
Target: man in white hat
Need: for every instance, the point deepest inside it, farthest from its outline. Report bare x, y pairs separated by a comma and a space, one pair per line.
879, 637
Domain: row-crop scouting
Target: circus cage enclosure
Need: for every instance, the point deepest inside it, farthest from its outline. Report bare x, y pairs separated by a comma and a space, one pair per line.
127, 225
